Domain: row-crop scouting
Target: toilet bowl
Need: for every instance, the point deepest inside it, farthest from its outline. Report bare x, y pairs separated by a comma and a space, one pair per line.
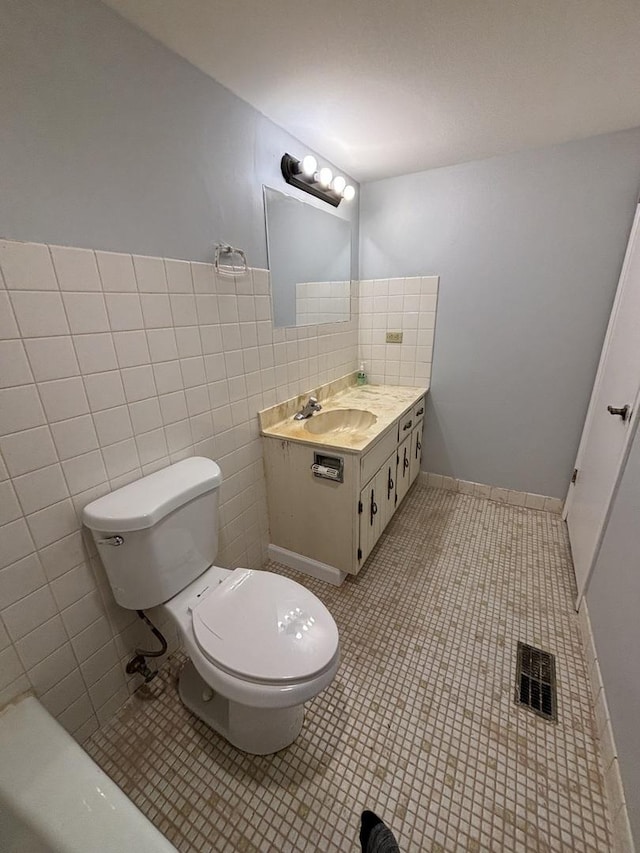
260, 645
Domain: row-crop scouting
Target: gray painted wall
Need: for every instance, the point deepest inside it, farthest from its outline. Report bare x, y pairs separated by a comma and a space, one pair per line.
529, 249
613, 598
108, 140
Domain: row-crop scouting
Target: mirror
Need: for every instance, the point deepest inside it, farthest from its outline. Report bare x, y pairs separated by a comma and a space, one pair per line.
309, 253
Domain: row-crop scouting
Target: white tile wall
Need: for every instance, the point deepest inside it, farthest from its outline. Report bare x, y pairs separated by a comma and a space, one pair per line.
398, 304
323, 301
111, 367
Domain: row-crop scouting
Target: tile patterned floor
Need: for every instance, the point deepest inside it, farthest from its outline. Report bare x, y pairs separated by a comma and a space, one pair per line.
419, 724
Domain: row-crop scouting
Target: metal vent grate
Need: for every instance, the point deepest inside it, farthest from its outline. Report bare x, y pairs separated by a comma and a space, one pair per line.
536, 681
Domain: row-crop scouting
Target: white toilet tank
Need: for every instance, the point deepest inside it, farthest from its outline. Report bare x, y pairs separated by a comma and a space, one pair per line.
158, 534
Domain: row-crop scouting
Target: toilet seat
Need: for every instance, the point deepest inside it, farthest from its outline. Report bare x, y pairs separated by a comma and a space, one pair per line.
265, 628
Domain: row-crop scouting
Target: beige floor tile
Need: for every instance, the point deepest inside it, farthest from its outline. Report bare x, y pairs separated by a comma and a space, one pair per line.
419, 724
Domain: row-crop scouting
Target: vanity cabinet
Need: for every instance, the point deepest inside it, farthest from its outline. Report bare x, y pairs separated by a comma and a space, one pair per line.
318, 523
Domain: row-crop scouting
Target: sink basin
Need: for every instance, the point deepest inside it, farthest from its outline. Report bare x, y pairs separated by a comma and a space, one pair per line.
340, 421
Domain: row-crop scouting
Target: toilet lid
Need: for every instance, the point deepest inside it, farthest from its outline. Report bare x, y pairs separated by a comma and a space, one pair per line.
265, 627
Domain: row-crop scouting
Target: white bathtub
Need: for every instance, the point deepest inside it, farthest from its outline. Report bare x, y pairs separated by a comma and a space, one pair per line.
53, 797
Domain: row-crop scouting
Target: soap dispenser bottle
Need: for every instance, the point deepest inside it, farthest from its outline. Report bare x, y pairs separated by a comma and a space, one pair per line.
362, 376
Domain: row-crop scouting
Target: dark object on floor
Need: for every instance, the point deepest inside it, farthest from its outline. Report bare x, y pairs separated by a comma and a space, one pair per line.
375, 835
536, 681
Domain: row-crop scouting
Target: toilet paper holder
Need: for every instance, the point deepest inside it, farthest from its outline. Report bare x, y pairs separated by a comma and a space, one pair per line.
328, 467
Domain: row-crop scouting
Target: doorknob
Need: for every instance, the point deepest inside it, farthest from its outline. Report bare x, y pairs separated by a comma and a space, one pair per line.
623, 411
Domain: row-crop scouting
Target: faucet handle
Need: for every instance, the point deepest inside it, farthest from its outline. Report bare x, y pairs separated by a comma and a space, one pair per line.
313, 401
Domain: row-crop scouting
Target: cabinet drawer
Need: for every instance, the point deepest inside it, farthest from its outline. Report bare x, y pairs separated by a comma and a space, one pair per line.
405, 424
375, 458
418, 410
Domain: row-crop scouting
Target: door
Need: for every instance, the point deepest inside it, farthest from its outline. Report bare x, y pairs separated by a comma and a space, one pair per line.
370, 509
612, 411
416, 452
404, 469
388, 500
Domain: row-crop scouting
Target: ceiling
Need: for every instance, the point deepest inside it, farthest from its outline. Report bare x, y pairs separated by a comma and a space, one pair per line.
388, 87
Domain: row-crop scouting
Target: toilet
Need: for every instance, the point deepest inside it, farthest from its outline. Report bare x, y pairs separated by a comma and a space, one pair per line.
260, 645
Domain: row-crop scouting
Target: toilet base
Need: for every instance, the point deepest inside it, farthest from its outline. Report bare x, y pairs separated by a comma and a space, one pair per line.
258, 731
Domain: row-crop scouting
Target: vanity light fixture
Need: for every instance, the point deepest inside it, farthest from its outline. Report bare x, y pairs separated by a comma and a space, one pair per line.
304, 175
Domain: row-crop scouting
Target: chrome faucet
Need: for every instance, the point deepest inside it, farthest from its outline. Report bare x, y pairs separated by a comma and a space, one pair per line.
311, 406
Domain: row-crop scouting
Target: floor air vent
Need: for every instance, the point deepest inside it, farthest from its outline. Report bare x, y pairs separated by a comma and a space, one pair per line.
536, 681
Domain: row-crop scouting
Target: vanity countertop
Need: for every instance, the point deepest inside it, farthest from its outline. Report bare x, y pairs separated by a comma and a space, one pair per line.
386, 402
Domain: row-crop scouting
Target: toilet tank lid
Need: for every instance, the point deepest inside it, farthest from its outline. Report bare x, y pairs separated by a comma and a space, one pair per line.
145, 502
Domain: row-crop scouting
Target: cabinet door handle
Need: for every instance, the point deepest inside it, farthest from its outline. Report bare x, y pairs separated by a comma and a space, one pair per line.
407, 425
406, 462
389, 484
374, 507
420, 411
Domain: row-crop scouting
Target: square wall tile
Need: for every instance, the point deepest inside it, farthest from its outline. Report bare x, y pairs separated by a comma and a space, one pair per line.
14, 366
9, 507
20, 579
20, 409
74, 436
39, 313
83, 472
178, 276
8, 325
113, 425
104, 390
156, 310
15, 542
162, 344
52, 358
76, 269
138, 383
28, 450
116, 272
53, 523
29, 613
63, 398
150, 274
131, 348
125, 313
86, 312
41, 488
35, 646
96, 352
27, 266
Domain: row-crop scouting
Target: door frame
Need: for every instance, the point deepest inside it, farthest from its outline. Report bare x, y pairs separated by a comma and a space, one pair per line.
634, 237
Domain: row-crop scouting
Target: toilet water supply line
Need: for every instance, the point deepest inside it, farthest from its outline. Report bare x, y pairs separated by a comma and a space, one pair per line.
139, 663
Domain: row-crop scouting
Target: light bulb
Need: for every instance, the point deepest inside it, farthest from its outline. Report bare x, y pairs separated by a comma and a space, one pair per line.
325, 176
348, 193
339, 184
309, 165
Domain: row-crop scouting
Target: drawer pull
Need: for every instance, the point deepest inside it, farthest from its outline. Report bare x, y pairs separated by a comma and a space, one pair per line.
420, 411
407, 425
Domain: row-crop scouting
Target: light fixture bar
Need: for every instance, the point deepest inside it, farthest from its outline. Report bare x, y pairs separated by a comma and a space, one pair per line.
293, 174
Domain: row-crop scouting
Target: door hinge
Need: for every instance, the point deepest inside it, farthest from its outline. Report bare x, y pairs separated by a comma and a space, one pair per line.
359, 507
359, 553
574, 476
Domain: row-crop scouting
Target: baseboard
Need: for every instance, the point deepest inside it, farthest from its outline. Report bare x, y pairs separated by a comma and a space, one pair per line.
607, 752
492, 493
306, 565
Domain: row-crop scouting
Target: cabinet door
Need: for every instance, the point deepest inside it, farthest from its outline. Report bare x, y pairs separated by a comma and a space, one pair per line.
403, 474
416, 452
388, 499
373, 518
